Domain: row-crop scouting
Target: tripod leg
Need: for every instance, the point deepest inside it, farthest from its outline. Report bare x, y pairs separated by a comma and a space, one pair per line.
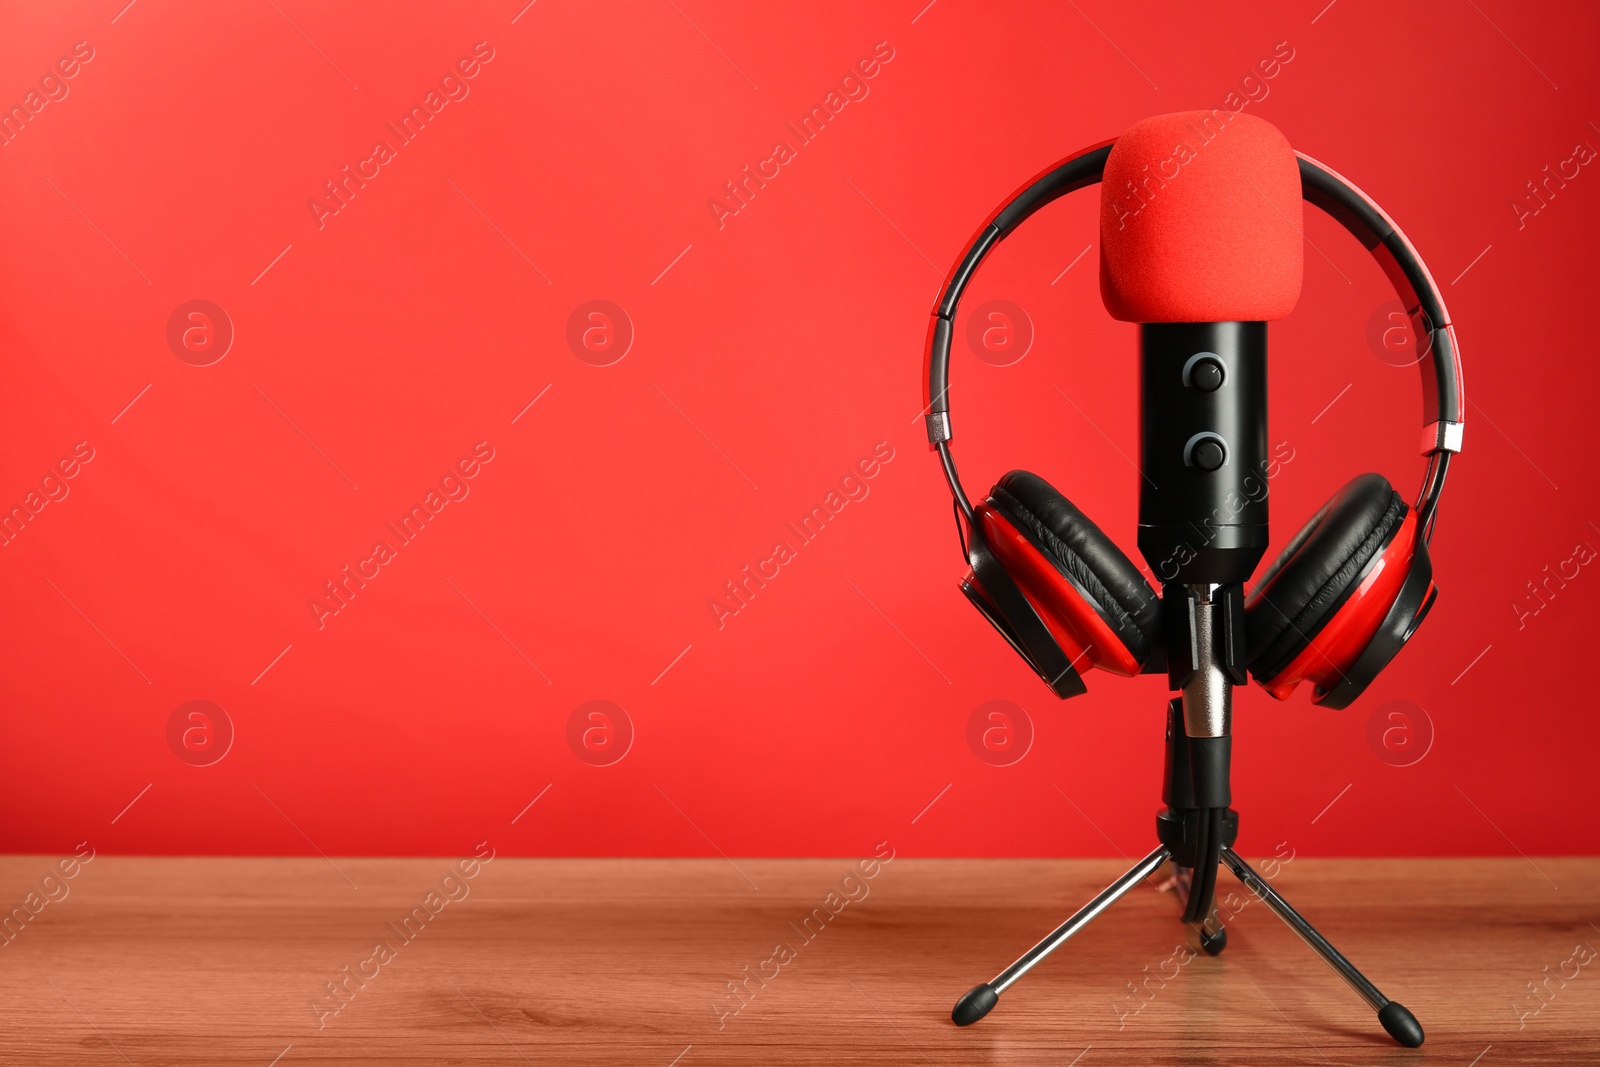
981, 999
1400, 1023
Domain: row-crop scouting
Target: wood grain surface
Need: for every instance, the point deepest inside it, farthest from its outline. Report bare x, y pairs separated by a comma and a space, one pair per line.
226, 961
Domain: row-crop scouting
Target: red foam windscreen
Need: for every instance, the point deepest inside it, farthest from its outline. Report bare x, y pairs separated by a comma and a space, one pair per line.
1200, 220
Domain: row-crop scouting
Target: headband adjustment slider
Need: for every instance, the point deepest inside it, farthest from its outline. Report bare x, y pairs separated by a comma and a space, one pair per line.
1441, 437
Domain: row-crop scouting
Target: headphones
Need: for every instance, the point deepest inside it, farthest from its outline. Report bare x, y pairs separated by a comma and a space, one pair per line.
1336, 605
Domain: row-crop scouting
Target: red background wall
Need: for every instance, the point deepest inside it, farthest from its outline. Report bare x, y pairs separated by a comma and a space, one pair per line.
769, 354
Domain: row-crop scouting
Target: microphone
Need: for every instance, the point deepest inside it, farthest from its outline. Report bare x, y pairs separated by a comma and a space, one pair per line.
1201, 244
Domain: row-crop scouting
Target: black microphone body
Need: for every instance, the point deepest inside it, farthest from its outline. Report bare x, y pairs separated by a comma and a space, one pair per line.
1203, 450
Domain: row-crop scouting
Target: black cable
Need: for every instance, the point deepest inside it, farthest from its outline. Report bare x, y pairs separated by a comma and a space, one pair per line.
1213, 861
1197, 879
1208, 856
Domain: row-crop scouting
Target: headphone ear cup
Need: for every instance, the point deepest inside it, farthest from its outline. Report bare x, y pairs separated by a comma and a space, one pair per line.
1411, 605
1318, 570
992, 591
1066, 563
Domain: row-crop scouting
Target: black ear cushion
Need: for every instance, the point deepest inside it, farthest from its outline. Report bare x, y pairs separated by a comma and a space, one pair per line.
1084, 555
1317, 570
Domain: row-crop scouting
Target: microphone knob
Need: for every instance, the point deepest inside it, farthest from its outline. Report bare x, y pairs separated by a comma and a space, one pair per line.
1206, 374
1207, 452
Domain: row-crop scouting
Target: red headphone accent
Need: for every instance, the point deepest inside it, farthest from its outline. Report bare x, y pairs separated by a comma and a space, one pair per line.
1333, 650
1070, 618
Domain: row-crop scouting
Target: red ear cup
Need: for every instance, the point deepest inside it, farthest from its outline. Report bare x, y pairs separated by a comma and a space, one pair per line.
1337, 688
1333, 598
991, 589
1091, 597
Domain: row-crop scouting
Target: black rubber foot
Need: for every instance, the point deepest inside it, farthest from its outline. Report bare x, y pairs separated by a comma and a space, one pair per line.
980, 1001
1400, 1023
1213, 945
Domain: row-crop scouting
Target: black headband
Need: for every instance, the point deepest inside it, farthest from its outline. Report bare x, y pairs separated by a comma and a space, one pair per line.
1353, 209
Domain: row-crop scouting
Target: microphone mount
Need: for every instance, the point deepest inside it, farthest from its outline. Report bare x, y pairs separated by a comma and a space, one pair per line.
1202, 530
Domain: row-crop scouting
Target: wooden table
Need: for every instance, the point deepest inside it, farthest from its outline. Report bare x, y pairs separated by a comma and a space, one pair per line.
224, 961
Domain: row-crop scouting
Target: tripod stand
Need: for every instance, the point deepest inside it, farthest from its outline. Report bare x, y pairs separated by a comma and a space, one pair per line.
1182, 826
